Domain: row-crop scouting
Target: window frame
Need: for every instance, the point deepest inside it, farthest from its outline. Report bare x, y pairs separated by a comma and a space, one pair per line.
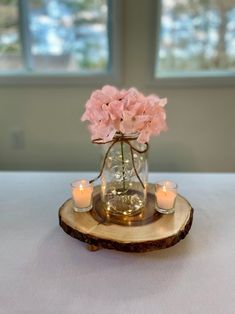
222, 79
114, 71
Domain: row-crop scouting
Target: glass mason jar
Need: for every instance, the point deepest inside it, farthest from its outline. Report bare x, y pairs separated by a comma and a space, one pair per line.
122, 192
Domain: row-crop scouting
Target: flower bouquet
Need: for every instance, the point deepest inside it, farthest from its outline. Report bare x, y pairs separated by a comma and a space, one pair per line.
122, 121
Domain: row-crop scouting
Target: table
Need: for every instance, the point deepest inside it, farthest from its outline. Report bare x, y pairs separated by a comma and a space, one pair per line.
43, 270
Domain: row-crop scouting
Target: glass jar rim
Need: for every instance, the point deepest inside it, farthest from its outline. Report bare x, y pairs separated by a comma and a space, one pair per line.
129, 135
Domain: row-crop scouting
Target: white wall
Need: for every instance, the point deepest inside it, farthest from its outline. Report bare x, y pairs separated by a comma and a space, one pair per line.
201, 120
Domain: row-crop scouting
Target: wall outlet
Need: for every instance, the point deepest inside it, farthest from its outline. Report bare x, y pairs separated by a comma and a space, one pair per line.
17, 138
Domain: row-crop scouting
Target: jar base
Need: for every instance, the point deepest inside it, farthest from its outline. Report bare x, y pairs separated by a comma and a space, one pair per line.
124, 204
127, 213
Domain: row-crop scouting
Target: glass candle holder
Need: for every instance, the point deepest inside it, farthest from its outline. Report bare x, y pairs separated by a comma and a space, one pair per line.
82, 192
166, 192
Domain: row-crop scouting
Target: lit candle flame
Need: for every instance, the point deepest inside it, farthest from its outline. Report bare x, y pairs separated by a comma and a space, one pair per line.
164, 188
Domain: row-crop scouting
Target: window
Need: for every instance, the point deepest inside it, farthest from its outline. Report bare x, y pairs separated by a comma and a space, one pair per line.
55, 37
10, 46
197, 38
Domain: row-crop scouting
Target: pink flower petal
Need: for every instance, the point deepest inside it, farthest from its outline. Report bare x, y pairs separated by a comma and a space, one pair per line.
109, 111
111, 91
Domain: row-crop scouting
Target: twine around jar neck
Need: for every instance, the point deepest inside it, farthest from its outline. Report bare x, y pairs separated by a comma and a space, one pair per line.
120, 137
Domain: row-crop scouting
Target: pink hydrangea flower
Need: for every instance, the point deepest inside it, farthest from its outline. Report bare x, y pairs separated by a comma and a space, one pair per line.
127, 111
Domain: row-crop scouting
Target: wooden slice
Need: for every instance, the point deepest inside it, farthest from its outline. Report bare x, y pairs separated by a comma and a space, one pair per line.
148, 232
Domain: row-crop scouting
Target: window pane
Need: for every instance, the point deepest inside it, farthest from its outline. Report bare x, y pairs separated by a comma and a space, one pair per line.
196, 37
69, 35
10, 48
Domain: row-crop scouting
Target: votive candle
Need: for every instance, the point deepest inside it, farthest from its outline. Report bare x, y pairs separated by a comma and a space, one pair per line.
82, 192
166, 192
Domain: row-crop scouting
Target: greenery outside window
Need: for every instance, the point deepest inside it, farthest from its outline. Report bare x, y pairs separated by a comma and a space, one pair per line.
195, 38
56, 38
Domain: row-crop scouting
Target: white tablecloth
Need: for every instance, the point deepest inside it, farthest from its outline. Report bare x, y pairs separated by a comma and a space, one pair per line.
43, 270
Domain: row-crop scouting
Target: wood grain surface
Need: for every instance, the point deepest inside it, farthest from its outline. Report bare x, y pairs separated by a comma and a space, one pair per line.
157, 231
